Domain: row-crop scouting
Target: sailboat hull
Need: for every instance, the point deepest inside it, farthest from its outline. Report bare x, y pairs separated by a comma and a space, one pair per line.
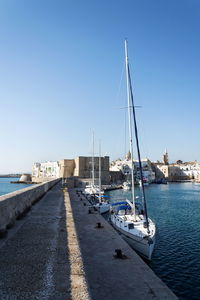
143, 245
102, 207
92, 190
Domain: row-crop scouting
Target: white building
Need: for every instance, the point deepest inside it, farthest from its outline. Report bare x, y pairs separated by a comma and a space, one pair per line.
49, 169
36, 170
147, 172
125, 167
190, 169
179, 171
121, 165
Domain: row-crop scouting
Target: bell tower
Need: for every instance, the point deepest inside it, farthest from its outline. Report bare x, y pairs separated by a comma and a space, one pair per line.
128, 156
165, 158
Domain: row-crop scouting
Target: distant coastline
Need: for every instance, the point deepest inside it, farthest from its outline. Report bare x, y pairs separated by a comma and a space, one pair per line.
10, 175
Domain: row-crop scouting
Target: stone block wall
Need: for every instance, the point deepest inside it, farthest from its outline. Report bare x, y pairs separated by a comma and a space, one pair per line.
14, 204
66, 167
83, 168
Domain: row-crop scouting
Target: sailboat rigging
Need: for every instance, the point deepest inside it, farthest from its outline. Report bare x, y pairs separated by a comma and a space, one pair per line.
129, 217
103, 205
95, 192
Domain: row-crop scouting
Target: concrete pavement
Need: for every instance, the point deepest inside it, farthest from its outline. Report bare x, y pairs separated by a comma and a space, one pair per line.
110, 278
33, 258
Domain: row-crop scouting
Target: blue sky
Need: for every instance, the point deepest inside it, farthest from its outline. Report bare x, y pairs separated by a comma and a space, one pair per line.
60, 78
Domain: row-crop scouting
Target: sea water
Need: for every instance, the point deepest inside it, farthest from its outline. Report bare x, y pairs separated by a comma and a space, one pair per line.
175, 208
7, 187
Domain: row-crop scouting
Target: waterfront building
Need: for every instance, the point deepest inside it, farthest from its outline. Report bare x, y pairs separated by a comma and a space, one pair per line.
45, 171
176, 171
118, 171
36, 170
160, 170
186, 170
83, 168
124, 166
80, 167
147, 171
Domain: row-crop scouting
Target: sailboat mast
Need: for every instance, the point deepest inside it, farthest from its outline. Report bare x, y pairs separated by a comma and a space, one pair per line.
99, 171
93, 159
130, 126
137, 144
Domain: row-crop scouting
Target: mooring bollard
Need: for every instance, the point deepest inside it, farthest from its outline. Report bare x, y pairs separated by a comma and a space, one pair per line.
99, 225
119, 254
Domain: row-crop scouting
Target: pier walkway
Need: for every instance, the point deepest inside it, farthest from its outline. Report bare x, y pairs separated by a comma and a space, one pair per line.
57, 252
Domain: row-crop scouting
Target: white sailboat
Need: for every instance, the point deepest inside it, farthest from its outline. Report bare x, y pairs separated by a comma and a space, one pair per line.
89, 189
92, 189
128, 217
126, 185
103, 206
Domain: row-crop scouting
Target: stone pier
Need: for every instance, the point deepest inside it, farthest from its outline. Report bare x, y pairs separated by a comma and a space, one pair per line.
57, 252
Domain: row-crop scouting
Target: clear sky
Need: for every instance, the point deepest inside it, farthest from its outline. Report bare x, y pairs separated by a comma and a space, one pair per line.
61, 66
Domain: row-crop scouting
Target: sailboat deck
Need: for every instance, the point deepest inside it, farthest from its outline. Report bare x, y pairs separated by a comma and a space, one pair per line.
124, 220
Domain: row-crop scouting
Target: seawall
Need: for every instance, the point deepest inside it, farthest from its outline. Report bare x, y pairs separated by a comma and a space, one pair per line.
14, 205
